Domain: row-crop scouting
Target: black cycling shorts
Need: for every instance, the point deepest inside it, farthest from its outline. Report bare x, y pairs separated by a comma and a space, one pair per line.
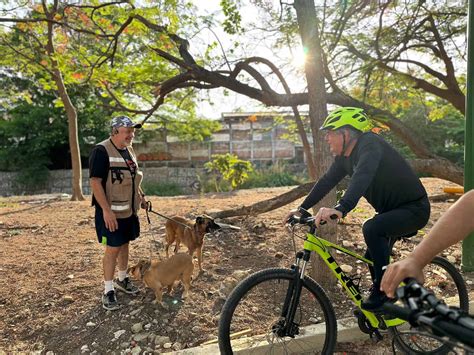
128, 230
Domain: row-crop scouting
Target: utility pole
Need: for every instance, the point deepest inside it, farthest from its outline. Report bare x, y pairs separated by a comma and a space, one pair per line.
468, 243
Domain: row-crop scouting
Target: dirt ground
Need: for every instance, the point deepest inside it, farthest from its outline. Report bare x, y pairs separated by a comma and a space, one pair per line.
52, 280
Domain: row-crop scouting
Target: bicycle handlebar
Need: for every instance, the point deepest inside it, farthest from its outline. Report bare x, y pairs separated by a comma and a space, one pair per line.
307, 219
422, 308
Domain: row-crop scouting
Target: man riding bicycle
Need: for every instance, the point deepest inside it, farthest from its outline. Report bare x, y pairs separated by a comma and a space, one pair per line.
378, 173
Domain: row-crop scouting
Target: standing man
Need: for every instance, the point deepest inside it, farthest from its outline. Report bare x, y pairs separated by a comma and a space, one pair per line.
378, 173
116, 194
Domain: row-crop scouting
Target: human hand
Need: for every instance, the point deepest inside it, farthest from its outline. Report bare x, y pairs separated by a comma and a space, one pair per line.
397, 272
110, 220
325, 213
289, 215
144, 203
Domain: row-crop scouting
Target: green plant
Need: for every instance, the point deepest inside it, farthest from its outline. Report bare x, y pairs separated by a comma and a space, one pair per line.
231, 168
162, 188
268, 178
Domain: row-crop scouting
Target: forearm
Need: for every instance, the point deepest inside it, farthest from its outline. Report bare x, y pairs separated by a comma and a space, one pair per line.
99, 194
452, 227
327, 182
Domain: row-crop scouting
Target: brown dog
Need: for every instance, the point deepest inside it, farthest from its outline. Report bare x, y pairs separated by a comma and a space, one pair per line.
157, 274
180, 230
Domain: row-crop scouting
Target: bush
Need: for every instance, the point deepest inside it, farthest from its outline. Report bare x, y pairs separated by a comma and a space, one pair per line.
230, 168
162, 188
274, 176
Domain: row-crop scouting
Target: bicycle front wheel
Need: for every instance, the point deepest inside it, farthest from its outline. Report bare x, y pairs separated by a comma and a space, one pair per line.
252, 316
447, 284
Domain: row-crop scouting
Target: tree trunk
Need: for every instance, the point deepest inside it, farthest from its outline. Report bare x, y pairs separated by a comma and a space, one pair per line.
71, 113
69, 107
314, 70
440, 168
420, 166
266, 205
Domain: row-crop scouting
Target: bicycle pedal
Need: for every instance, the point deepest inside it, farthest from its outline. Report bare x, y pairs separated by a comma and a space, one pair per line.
375, 336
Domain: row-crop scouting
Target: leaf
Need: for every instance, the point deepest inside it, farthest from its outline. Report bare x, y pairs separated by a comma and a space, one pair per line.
58, 103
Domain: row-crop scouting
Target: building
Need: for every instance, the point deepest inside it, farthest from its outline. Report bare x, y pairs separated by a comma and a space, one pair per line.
257, 137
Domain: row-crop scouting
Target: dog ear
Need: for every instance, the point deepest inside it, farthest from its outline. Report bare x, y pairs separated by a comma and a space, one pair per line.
199, 220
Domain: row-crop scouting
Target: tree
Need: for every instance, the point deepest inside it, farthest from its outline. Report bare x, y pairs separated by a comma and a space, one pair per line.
244, 78
128, 33
67, 44
34, 42
34, 134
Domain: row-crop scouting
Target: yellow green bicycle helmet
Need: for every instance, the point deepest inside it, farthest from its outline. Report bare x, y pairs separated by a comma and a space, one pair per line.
347, 116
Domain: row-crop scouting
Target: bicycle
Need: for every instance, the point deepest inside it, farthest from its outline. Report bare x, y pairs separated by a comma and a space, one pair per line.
278, 309
426, 312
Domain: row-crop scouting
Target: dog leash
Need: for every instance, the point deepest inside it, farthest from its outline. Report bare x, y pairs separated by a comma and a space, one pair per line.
149, 209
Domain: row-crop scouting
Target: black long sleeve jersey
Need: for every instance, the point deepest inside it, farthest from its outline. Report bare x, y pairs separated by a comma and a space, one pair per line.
378, 172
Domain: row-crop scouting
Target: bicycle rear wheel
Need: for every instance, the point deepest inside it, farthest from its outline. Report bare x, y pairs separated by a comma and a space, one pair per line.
253, 311
447, 283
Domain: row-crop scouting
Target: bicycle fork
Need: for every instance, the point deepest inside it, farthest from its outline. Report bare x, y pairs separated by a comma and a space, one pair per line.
288, 327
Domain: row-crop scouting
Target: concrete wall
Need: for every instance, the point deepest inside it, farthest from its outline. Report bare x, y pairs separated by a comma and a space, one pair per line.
60, 181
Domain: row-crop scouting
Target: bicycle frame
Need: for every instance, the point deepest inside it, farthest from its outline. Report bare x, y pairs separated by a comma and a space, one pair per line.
321, 247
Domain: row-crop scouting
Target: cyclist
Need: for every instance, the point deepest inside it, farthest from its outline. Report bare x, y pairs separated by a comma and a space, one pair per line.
378, 173
452, 227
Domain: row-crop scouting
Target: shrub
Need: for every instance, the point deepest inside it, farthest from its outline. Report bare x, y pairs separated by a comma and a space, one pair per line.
162, 188
273, 176
232, 169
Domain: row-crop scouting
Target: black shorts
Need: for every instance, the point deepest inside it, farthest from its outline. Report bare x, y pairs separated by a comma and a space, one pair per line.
128, 229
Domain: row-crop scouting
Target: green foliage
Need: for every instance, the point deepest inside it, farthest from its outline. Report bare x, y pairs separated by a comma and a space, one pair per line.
231, 168
34, 134
274, 176
162, 189
443, 132
233, 19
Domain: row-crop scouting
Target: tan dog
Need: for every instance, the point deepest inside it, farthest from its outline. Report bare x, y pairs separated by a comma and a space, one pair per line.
157, 274
180, 230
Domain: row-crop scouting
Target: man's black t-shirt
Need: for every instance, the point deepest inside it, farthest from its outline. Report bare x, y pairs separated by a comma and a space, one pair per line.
378, 172
99, 165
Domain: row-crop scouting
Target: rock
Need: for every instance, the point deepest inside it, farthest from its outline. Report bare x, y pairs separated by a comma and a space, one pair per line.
137, 327
119, 333
161, 340
90, 324
124, 345
147, 326
279, 255
84, 348
167, 345
136, 311
136, 350
346, 268
134, 302
141, 336
70, 276
347, 244
68, 298
196, 329
177, 346
227, 286
451, 259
